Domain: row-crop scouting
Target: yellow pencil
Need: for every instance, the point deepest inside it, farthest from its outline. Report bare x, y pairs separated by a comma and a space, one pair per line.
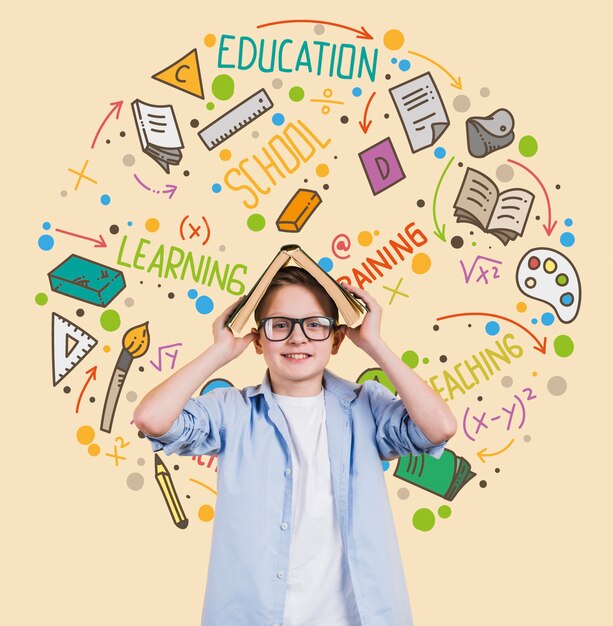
162, 475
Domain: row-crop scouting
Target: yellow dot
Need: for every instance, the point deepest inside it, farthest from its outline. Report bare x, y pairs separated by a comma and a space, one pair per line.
85, 435
375, 233
534, 373
393, 39
94, 449
106, 348
421, 263
209, 40
550, 266
152, 224
322, 170
364, 238
225, 155
206, 513
522, 307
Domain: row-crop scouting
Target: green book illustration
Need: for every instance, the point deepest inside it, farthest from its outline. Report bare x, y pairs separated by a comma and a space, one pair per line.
444, 477
80, 278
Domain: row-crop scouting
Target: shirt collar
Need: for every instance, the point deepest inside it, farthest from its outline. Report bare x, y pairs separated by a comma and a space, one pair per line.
340, 387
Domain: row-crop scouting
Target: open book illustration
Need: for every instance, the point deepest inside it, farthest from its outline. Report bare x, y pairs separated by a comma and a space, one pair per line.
349, 307
158, 133
443, 477
480, 203
421, 111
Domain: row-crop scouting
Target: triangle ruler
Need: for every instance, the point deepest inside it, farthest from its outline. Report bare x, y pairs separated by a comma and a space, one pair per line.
69, 344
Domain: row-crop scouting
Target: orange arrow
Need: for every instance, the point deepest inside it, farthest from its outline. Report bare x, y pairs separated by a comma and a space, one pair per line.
541, 345
363, 125
116, 108
362, 33
482, 454
92, 376
457, 82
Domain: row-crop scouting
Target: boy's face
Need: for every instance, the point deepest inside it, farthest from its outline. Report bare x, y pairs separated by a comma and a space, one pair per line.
296, 364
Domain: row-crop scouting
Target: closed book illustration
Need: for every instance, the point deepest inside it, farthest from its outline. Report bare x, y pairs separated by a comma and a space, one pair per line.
444, 477
298, 210
86, 280
350, 308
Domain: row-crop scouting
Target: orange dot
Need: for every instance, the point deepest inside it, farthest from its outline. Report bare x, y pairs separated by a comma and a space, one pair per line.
364, 238
209, 40
375, 233
106, 348
534, 373
225, 155
421, 263
322, 170
85, 435
94, 449
393, 39
521, 307
206, 513
152, 224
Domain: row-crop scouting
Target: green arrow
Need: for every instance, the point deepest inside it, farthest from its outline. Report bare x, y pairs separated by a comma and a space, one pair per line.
440, 232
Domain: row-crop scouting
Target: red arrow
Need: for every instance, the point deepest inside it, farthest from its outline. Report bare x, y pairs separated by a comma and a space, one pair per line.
92, 376
362, 33
100, 243
363, 125
541, 345
116, 108
549, 227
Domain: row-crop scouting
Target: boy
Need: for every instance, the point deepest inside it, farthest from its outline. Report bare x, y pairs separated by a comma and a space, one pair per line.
304, 534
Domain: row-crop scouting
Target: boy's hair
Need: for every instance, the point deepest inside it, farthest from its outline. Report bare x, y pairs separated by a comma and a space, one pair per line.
292, 275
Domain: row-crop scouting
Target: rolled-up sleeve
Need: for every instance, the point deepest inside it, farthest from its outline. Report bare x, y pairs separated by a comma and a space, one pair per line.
396, 433
201, 426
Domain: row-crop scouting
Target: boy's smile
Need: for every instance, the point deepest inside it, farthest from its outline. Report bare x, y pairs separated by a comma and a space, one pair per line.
296, 364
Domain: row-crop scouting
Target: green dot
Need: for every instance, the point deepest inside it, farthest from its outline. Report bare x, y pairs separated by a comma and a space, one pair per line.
444, 511
411, 359
474, 243
528, 146
256, 222
423, 519
223, 87
296, 94
425, 360
563, 345
210, 106
561, 279
110, 320
41, 299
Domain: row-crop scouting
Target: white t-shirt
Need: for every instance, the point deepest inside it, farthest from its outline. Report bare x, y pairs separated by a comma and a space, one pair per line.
319, 589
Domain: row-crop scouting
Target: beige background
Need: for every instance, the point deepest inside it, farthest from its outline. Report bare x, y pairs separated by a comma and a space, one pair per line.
80, 547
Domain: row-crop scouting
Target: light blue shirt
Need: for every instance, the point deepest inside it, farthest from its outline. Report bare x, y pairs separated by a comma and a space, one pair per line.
252, 531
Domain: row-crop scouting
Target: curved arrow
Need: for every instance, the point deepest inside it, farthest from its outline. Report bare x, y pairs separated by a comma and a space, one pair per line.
362, 33
363, 125
92, 376
439, 232
549, 227
116, 108
482, 454
457, 82
541, 345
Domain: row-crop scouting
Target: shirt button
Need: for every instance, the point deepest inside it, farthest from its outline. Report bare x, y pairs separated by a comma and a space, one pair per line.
280, 574
288, 471
284, 526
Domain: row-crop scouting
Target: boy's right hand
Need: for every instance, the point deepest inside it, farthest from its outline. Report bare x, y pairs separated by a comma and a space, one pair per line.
224, 338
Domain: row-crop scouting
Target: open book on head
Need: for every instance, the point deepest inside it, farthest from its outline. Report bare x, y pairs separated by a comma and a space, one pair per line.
349, 307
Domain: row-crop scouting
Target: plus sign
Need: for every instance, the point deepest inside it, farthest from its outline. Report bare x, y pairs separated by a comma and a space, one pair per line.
81, 175
396, 291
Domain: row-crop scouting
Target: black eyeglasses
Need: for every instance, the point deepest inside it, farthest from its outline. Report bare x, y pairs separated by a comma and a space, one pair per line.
316, 328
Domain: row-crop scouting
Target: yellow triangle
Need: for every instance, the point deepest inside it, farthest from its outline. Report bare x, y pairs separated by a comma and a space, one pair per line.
183, 74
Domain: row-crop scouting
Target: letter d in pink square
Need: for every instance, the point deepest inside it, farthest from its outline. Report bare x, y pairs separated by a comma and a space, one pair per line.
381, 166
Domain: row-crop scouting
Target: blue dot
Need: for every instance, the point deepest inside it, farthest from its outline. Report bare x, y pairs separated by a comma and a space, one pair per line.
568, 222
567, 239
534, 320
547, 319
356, 91
130, 223
567, 299
216, 188
440, 153
46, 242
216, 383
394, 60
105, 199
326, 263
492, 328
404, 65
46, 226
385, 465
204, 305
278, 119
192, 294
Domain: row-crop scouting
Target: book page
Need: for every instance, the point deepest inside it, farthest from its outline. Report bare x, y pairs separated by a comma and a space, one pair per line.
157, 125
512, 210
477, 196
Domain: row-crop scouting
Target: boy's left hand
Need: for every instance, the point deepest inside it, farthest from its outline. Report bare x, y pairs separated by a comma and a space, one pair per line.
368, 334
